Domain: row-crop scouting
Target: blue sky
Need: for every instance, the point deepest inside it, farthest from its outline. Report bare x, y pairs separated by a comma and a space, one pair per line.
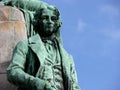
91, 33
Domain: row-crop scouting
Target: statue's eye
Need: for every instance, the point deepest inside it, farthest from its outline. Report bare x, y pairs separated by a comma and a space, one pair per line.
54, 18
44, 17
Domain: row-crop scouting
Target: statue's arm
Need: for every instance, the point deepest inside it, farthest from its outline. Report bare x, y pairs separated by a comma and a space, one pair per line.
74, 81
31, 5
16, 71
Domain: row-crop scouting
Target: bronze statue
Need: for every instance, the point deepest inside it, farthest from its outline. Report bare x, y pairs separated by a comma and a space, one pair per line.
41, 62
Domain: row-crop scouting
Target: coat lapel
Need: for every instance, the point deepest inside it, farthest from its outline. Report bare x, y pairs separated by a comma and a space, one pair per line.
65, 57
38, 48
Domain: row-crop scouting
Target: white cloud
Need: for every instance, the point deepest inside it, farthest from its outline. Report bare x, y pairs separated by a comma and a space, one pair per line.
110, 10
111, 41
112, 13
112, 33
81, 25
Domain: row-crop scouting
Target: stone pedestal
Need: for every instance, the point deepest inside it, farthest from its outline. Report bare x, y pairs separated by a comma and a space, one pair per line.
12, 30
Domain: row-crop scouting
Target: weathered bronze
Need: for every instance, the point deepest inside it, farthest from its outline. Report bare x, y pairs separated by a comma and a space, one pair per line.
41, 62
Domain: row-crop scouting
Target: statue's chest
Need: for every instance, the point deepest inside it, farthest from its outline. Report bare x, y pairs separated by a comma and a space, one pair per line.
53, 67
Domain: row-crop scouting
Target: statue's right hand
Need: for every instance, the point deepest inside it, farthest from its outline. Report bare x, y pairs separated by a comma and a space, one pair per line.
49, 86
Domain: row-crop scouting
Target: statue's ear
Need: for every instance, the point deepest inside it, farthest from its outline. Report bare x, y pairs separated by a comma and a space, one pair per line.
60, 22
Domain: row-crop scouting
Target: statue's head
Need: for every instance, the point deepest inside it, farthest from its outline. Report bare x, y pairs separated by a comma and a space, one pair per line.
47, 21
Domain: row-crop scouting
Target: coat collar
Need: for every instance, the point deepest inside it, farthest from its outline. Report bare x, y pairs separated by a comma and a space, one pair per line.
35, 39
36, 44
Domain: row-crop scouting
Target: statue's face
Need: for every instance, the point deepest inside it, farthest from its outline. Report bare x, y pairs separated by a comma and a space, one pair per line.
48, 22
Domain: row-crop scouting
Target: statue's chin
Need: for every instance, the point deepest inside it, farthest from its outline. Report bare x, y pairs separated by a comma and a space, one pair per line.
46, 34
49, 33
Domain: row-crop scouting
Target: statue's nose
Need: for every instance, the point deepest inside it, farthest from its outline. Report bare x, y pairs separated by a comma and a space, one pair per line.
50, 20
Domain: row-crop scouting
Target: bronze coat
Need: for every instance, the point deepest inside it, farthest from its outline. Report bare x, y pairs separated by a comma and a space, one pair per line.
25, 69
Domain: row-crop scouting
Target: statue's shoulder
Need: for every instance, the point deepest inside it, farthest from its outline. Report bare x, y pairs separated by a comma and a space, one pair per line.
22, 44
